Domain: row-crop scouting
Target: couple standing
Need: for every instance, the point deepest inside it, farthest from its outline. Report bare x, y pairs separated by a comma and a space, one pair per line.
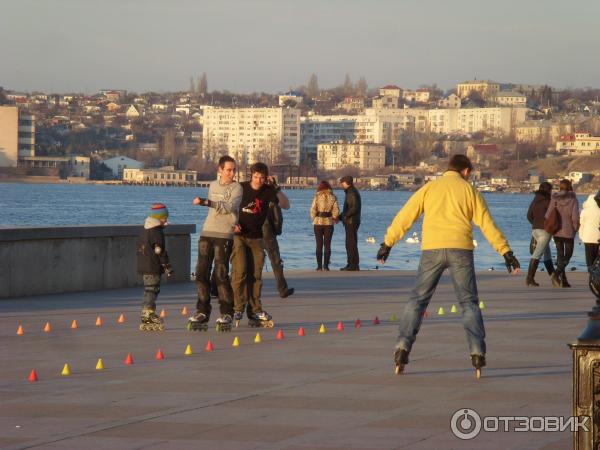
325, 213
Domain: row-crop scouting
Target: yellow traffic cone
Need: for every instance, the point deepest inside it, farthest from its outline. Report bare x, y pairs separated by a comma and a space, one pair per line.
393, 318
322, 329
441, 312
257, 338
453, 309
188, 350
236, 342
66, 370
99, 364
481, 305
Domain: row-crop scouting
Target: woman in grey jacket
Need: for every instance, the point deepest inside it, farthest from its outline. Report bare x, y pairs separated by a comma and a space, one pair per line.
567, 205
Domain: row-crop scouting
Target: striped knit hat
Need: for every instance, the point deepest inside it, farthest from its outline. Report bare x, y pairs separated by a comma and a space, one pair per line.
159, 211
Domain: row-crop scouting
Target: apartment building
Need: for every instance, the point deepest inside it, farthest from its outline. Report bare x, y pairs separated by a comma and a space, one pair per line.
269, 135
579, 144
17, 135
418, 96
542, 131
511, 98
389, 98
486, 88
364, 156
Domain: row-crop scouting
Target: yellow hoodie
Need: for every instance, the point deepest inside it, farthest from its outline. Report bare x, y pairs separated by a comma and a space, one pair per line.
450, 205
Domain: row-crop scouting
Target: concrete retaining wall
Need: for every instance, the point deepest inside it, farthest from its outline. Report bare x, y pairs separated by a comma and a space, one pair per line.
53, 260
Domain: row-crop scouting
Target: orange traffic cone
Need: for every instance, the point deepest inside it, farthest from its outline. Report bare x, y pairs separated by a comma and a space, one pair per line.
209, 346
98, 321
160, 355
32, 376
357, 324
184, 311
163, 314
121, 319
74, 325
47, 327
129, 359
20, 330
301, 331
280, 335
340, 326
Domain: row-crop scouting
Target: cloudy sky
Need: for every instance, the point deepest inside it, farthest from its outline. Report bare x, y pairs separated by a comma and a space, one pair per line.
270, 45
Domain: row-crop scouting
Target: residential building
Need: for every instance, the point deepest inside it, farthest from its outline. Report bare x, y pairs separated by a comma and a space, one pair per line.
68, 166
542, 131
162, 175
494, 120
579, 144
580, 177
132, 112
119, 163
511, 98
17, 135
484, 154
252, 134
418, 96
389, 97
352, 105
318, 129
335, 155
290, 98
452, 101
486, 88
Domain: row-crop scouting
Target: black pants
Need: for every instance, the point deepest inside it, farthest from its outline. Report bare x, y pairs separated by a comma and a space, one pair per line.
219, 251
564, 251
352, 244
591, 253
272, 248
323, 235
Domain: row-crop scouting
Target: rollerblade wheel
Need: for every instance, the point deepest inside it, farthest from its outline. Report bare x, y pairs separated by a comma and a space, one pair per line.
478, 373
161, 327
270, 324
399, 369
189, 326
142, 327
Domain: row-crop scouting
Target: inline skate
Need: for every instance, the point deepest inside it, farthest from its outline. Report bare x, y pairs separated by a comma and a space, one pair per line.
198, 322
150, 321
224, 323
400, 360
261, 320
478, 362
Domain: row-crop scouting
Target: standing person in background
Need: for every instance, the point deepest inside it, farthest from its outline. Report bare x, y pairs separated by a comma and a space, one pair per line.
350, 217
272, 228
536, 214
324, 212
589, 231
215, 244
565, 201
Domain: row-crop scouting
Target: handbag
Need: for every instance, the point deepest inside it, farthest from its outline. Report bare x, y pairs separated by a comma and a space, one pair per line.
552, 222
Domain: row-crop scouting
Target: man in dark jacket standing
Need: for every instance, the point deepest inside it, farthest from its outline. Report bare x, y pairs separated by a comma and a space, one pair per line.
350, 217
535, 216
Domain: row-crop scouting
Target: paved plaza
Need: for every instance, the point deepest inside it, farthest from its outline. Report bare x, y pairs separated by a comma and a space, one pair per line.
332, 390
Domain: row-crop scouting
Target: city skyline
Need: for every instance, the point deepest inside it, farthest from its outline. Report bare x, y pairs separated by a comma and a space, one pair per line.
270, 46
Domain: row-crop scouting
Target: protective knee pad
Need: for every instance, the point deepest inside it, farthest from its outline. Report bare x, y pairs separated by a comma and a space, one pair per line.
155, 289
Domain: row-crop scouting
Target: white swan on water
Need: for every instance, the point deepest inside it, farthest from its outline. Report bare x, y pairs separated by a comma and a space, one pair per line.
370, 239
414, 239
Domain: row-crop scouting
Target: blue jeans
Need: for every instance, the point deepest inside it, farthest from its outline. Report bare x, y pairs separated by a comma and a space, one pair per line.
542, 246
462, 272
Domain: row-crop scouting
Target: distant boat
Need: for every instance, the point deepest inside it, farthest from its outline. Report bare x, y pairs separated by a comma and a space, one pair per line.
370, 240
414, 239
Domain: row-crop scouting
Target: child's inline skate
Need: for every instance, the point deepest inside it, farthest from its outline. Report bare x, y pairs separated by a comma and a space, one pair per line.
261, 320
198, 322
150, 321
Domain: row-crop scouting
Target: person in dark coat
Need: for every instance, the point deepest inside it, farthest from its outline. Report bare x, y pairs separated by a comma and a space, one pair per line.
350, 217
565, 201
540, 237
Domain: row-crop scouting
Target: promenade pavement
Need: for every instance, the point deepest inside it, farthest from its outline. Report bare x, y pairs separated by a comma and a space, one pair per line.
328, 391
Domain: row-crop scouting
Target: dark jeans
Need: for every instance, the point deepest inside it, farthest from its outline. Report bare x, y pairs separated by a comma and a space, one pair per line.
247, 261
272, 248
352, 244
564, 251
217, 250
151, 290
323, 235
462, 273
591, 253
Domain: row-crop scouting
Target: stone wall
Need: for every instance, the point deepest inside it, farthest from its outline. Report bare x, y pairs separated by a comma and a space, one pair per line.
54, 260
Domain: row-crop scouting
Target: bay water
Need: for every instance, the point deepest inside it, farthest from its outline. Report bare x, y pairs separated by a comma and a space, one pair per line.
44, 205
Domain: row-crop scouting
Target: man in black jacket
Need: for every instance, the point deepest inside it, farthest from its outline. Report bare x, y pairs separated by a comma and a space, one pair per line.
350, 217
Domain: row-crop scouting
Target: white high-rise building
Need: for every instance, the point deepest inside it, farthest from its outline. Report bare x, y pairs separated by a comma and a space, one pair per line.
269, 135
17, 135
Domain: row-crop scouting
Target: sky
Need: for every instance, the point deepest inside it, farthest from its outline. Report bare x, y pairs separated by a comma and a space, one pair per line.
271, 45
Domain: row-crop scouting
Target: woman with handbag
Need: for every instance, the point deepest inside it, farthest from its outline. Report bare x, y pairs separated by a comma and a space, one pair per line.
565, 206
324, 212
536, 215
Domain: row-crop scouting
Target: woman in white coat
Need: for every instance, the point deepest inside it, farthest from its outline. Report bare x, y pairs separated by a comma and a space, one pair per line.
589, 231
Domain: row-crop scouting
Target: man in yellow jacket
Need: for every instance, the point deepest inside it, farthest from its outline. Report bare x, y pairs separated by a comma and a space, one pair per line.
450, 204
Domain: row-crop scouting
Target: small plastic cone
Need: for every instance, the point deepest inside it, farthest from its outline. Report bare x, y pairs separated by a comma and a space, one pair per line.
47, 327
20, 330
393, 318
340, 326
184, 311
98, 321
32, 376
74, 325
357, 324
453, 309
66, 370
301, 331
441, 312
322, 329
209, 346
163, 314
257, 338
129, 359
280, 335
236, 342
121, 319
188, 350
376, 321
160, 355
481, 305
99, 364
